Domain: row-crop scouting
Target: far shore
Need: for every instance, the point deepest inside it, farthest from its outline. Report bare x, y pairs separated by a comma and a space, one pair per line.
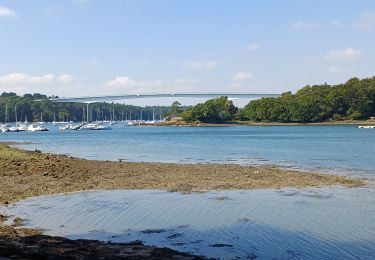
252, 123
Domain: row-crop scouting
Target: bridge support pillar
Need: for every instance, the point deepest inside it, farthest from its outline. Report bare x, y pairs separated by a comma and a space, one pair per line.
89, 112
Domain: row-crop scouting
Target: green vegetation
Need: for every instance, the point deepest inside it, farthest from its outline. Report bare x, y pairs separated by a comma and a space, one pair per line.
175, 110
353, 100
25, 108
13, 155
215, 110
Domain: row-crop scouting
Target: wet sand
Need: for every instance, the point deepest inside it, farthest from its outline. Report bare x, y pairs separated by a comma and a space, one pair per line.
31, 173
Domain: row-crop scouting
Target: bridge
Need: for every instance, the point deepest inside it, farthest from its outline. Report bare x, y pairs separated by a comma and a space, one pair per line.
94, 99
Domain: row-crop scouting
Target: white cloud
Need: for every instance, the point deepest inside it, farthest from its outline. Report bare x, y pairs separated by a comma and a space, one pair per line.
26, 79
301, 25
7, 12
199, 64
121, 81
241, 76
347, 54
335, 24
367, 21
253, 47
65, 78
130, 85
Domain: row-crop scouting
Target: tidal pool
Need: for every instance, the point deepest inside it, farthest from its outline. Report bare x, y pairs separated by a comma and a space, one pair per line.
324, 223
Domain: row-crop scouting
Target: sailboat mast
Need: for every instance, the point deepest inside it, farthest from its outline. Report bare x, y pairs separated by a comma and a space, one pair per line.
15, 112
113, 113
54, 113
6, 113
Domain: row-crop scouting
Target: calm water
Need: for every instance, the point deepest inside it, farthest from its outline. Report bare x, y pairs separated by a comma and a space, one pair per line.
325, 223
334, 223
325, 148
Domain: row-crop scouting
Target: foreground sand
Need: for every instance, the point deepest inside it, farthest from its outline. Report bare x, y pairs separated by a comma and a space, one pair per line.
24, 174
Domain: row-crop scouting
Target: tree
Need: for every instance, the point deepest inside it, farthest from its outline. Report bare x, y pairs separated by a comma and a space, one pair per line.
215, 110
176, 109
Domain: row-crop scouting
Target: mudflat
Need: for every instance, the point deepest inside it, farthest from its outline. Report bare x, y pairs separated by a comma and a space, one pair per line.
32, 173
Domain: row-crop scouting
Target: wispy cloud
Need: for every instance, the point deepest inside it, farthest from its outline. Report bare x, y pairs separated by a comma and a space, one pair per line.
126, 83
142, 63
242, 76
334, 69
253, 46
26, 79
302, 25
367, 21
199, 64
82, 1
7, 12
65, 78
335, 24
186, 81
346, 71
340, 55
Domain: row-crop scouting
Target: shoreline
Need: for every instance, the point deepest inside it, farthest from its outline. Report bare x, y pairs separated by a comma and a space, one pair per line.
251, 123
25, 174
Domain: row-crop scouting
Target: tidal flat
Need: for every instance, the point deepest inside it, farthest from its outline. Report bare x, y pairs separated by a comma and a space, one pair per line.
26, 174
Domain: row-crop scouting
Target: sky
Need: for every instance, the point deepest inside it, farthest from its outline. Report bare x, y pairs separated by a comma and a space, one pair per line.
101, 47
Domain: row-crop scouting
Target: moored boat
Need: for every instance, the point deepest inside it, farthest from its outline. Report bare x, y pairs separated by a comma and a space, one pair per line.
36, 128
94, 126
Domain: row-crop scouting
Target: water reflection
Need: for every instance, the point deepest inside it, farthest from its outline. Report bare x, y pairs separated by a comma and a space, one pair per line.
335, 223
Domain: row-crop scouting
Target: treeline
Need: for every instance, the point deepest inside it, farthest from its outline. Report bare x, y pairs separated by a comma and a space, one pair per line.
21, 108
353, 100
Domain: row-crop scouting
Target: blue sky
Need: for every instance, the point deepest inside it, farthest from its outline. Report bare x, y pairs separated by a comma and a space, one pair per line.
93, 47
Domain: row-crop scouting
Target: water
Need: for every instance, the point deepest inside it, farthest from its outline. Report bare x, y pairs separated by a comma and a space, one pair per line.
324, 223
340, 149
334, 223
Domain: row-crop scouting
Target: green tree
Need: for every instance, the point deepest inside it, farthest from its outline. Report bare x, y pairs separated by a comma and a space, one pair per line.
215, 110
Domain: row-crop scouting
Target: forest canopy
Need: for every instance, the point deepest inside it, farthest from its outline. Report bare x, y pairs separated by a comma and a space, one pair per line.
352, 100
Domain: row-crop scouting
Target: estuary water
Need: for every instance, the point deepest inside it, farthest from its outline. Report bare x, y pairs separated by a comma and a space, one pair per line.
313, 223
341, 149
